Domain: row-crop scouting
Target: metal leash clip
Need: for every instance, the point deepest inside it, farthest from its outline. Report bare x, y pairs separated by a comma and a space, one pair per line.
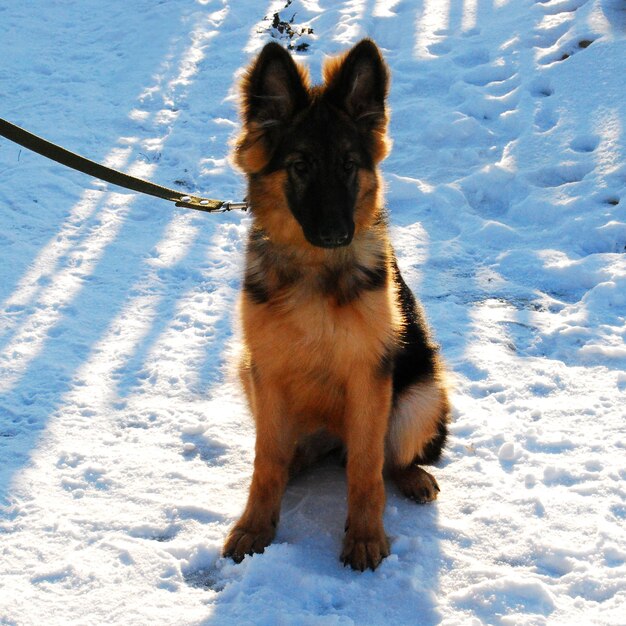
234, 206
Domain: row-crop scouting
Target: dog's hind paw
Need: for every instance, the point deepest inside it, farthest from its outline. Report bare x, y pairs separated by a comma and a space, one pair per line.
241, 542
416, 483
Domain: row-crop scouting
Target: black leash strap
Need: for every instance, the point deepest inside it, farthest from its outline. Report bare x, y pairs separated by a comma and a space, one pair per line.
80, 163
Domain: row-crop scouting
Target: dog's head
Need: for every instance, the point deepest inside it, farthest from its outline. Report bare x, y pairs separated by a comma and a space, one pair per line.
310, 153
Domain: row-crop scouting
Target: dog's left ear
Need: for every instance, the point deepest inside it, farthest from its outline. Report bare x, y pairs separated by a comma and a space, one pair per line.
358, 83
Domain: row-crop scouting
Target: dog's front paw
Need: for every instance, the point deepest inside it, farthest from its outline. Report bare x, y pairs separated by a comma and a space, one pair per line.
361, 552
242, 541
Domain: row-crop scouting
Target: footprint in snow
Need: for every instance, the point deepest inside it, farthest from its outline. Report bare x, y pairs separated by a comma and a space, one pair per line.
497, 72
546, 117
472, 58
541, 88
585, 143
562, 174
608, 238
472, 32
439, 48
566, 51
555, 7
205, 578
545, 37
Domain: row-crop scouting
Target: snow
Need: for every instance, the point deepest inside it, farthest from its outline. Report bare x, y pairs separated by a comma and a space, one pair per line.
126, 449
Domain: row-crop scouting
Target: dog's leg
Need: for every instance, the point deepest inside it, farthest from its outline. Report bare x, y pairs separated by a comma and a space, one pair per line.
273, 453
367, 411
416, 436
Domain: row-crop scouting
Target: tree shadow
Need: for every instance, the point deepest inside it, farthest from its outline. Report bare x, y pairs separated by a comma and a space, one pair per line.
91, 291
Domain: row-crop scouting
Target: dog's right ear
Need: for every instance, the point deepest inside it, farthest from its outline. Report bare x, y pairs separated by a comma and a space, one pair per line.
273, 90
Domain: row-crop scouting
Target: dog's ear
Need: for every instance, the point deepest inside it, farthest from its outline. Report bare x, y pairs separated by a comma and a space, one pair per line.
274, 88
358, 83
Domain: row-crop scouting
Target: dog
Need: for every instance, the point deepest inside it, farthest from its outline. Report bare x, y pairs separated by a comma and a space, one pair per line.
335, 346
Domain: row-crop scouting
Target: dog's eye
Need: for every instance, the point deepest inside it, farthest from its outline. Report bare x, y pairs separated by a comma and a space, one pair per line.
349, 166
300, 167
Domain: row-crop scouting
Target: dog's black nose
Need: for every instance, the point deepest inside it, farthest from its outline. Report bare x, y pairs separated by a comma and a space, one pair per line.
334, 239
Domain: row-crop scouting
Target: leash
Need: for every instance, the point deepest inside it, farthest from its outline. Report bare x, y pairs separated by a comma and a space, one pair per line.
115, 177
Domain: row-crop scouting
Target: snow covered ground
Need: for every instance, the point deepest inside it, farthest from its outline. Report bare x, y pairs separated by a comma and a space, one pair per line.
125, 452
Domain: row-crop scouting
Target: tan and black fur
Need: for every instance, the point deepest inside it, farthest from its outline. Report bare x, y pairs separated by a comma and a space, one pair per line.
335, 346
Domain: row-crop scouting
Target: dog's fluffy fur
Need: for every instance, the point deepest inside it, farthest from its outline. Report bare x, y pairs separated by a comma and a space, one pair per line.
336, 348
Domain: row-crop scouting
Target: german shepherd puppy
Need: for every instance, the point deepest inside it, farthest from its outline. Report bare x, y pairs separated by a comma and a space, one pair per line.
335, 345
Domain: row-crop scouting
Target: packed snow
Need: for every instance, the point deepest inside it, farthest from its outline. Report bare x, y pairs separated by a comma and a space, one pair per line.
126, 447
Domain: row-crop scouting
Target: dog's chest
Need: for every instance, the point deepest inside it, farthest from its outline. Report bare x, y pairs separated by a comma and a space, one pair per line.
312, 351
304, 331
